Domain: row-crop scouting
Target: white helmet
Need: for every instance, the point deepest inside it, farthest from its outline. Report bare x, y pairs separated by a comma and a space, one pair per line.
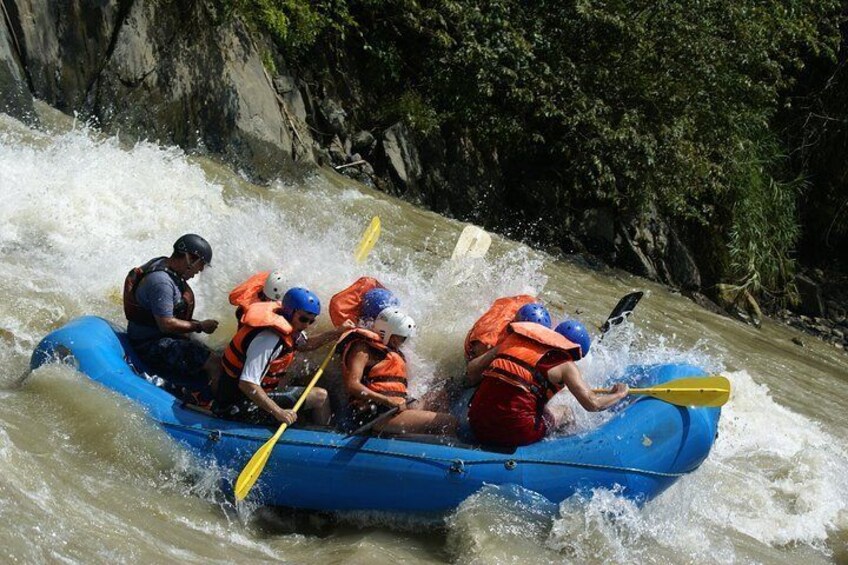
275, 286
392, 321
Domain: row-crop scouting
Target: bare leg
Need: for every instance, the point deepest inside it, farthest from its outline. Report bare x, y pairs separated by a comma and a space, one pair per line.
318, 402
420, 422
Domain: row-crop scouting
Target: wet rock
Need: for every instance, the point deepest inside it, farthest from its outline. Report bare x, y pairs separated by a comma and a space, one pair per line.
681, 264
322, 155
363, 142
738, 302
797, 341
15, 98
65, 44
810, 297
704, 302
597, 230
835, 309
402, 155
333, 115
649, 246
286, 86
636, 242
178, 77
824, 322
338, 155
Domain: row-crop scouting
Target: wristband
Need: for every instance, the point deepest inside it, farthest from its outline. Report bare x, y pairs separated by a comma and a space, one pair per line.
196, 326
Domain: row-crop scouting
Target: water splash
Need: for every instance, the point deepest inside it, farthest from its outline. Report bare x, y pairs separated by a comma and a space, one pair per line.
783, 490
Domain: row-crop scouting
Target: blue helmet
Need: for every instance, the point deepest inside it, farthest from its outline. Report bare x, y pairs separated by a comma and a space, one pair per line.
534, 312
375, 301
298, 298
575, 332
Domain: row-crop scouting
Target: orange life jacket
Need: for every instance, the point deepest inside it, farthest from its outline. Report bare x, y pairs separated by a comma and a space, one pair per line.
258, 317
387, 376
248, 292
346, 304
135, 312
491, 327
525, 344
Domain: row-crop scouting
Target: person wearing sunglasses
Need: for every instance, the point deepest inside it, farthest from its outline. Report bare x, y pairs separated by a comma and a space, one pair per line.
159, 305
256, 388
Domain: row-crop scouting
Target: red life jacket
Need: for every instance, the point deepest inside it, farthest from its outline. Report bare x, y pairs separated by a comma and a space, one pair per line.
135, 312
248, 292
258, 317
525, 344
346, 304
388, 375
491, 327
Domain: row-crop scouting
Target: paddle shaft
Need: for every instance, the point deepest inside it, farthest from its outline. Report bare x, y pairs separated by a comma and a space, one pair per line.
306, 391
659, 389
712, 390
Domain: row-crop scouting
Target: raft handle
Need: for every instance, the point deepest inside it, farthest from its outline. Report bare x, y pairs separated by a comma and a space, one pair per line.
457, 466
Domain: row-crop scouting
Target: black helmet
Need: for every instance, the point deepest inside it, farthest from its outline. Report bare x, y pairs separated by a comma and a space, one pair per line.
196, 245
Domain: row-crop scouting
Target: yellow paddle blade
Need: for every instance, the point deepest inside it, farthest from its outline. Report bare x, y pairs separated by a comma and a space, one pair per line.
711, 391
473, 242
369, 238
247, 477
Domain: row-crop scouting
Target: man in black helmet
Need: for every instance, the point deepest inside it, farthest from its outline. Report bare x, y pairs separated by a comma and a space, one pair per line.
159, 304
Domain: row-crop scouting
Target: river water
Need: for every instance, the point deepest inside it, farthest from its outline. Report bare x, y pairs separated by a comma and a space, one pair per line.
85, 478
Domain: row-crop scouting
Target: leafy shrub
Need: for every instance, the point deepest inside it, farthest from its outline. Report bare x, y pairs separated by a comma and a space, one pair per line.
765, 229
619, 103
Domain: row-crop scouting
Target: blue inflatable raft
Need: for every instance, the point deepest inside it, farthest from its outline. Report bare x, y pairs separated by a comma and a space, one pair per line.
643, 448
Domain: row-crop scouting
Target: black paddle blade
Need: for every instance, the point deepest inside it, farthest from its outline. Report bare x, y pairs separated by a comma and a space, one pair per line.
623, 309
387, 415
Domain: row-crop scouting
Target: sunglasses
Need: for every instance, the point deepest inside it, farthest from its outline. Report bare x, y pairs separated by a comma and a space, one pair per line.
193, 260
306, 320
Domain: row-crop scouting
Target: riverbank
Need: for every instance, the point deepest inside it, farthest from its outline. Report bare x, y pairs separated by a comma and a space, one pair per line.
819, 310
823, 309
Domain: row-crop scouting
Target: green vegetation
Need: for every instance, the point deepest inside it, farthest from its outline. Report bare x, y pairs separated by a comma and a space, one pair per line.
296, 25
627, 104
764, 229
